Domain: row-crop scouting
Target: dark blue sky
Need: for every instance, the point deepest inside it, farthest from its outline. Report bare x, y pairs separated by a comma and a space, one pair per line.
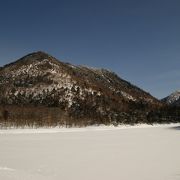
137, 39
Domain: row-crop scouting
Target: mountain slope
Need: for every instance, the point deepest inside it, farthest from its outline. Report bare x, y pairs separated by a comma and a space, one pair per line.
39, 79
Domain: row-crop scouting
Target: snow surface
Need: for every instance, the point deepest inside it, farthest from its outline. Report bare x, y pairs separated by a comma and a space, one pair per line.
94, 153
128, 96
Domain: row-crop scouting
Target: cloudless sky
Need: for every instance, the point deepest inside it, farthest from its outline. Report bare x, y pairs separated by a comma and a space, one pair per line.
137, 39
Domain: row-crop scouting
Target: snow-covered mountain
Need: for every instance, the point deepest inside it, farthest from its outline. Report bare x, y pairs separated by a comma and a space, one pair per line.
39, 75
173, 99
39, 79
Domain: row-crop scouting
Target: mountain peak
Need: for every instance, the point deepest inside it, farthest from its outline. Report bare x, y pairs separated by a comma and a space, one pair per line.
173, 99
37, 56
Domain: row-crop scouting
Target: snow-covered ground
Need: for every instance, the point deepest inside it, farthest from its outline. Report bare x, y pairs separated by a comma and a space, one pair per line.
94, 153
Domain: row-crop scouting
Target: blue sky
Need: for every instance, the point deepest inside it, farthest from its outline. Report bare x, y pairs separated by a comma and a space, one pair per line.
137, 39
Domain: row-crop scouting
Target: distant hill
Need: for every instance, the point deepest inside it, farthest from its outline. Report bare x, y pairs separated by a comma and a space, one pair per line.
173, 99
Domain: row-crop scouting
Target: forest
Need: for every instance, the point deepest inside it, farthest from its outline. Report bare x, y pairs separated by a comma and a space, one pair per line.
40, 116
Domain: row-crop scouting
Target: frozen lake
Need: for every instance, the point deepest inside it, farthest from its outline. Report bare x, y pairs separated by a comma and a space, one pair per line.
142, 153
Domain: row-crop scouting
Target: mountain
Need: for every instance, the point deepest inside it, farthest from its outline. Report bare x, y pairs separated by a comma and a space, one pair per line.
38, 75
173, 99
78, 93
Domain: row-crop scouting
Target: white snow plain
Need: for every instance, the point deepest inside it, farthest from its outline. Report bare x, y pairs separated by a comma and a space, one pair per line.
95, 153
